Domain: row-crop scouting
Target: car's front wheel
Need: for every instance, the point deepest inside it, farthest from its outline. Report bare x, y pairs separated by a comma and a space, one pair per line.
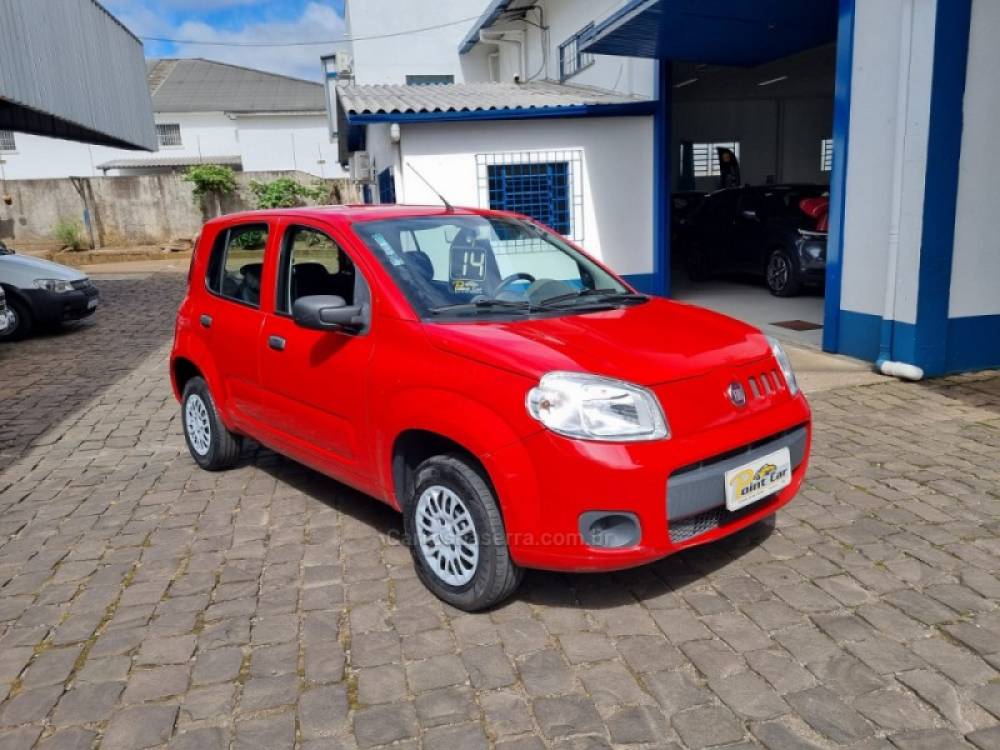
20, 322
782, 274
211, 444
456, 535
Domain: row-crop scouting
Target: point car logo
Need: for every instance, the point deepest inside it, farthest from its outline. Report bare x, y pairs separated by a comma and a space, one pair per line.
750, 481
737, 395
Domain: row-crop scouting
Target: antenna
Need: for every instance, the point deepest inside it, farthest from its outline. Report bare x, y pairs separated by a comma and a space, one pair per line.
423, 179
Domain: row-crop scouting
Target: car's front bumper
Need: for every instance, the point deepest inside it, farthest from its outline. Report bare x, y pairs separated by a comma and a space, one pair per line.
57, 307
811, 249
673, 488
6, 321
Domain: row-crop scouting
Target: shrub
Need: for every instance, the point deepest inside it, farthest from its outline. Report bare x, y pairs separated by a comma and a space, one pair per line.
285, 192
69, 233
211, 178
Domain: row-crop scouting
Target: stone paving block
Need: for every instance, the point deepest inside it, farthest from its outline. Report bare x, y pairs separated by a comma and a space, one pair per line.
276, 732
827, 714
707, 726
446, 706
895, 710
74, 738
488, 667
565, 715
749, 696
87, 703
323, 711
381, 725
140, 727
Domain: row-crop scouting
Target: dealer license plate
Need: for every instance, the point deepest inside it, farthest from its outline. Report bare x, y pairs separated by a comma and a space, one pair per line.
92, 303
758, 479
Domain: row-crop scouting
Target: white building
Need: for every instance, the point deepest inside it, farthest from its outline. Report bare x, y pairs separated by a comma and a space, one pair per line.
205, 112
597, 114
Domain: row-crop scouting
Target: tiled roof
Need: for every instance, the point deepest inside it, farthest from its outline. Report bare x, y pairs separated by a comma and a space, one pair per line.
469, 97
196, 85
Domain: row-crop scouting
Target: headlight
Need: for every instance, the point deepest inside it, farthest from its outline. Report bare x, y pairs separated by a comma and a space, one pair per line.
785, 364
54, 285
591, 407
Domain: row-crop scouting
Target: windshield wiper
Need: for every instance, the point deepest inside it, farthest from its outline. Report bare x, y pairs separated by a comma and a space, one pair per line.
594, 296
484, 305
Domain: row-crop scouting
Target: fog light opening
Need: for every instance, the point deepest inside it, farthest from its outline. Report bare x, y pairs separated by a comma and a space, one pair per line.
609, 529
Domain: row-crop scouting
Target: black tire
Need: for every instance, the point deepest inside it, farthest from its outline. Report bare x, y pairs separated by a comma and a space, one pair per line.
24, 323
696, 264
782, 274
494, 576
214, 448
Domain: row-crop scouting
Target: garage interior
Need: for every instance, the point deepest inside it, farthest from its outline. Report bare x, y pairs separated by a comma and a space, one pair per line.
778, 118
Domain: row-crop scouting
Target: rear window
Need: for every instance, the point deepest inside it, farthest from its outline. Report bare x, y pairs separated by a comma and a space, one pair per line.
784, 204
237, 263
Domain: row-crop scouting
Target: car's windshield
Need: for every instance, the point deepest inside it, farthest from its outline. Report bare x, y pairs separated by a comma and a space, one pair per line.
453, 265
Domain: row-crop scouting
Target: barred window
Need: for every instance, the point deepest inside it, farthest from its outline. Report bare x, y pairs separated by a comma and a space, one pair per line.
826, 155
544, 185
571, 59
168, 135
706, 157
7, 142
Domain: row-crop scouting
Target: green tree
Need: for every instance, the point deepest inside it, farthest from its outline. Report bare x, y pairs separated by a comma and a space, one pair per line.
286, 192
211, 181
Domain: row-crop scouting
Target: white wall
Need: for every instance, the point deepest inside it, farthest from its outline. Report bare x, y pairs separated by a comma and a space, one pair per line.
264, 143
434, 52
887, 155
565, 18
617, 173
975, 280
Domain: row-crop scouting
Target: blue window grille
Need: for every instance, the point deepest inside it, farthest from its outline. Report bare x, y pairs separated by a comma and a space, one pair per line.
571, 59
542, 185
386, 186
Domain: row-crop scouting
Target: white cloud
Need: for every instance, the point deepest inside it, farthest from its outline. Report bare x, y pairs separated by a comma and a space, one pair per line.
318, 21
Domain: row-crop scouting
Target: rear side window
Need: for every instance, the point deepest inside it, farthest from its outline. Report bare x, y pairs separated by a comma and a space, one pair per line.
237, 263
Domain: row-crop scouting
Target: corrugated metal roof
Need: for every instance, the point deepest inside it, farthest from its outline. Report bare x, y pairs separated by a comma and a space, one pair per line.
470, 97
197, 85
171, 161
70, 69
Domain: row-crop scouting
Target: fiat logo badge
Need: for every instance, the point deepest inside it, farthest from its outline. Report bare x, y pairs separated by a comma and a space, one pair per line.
737, 395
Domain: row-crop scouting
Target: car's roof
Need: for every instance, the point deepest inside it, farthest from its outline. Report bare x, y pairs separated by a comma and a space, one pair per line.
360, 212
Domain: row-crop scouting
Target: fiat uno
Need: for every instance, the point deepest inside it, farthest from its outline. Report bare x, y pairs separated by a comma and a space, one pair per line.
520, 404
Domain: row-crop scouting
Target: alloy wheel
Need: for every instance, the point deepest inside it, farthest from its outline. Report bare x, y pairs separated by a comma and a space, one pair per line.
197, 424
446, 534
778, 272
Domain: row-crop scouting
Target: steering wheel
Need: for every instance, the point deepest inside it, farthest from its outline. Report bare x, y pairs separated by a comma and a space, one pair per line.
514, 277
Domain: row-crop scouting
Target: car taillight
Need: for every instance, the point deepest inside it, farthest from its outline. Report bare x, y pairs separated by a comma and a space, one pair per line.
817, 209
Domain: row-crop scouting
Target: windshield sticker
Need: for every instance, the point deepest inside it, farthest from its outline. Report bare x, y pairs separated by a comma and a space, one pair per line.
390, 253
467, 286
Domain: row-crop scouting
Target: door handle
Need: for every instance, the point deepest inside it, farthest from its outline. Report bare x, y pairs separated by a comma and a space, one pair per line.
206, 321
276, 342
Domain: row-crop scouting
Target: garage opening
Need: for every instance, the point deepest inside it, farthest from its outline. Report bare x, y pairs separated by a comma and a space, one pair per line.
751, 161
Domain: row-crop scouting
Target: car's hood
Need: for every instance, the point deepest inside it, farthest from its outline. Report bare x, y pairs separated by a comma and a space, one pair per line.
22, 269
647, 344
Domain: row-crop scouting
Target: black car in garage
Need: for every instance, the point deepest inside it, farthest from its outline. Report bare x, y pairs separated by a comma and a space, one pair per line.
777, 232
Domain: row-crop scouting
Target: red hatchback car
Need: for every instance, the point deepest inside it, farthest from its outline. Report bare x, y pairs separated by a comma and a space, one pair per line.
520, 404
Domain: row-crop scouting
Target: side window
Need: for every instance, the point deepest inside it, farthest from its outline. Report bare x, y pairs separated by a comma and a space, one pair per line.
312, 264
237, 263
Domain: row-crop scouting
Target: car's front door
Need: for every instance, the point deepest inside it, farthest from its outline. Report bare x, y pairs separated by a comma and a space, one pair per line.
230, 316
317, 381
749, 231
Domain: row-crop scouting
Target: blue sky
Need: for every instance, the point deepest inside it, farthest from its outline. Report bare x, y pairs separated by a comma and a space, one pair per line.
237, 21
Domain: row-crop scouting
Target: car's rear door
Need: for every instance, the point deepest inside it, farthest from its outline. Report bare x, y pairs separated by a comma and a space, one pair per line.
317, 381
749, 231
229, 316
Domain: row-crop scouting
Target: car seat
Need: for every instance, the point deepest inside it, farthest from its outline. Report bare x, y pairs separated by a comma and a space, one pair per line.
250, 286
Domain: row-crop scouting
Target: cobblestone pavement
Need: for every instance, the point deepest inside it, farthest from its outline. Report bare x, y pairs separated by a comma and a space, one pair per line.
147, 603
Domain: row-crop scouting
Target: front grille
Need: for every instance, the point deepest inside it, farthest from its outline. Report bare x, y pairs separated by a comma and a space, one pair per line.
688, 528
765, 384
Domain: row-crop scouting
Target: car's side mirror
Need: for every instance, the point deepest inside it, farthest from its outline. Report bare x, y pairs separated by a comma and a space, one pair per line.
329, 313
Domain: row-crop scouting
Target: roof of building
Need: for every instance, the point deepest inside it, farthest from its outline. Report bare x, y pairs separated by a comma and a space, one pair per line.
171, 161
198, 85
473, 97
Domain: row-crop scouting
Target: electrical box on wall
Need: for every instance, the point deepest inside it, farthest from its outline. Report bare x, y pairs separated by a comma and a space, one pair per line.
361, 166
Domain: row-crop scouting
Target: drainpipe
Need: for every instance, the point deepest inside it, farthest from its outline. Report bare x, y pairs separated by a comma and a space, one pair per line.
884, 363
498, 37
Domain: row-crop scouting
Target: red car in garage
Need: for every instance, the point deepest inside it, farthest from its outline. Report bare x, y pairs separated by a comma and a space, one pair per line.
520, 404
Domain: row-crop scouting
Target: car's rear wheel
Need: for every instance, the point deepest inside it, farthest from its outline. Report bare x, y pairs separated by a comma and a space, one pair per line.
456, 535
211, 444
21, 322
782, 274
